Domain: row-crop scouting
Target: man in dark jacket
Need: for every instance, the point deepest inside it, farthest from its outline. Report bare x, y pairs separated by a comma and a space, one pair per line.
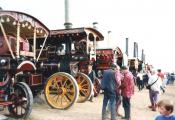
108, 84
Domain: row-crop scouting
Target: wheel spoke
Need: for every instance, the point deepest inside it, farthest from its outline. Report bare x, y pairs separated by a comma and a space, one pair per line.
82, 81
16, 109
78, 78
85, 85
56, 84
65, 98
68, 86
54, 97
61, 101
70, 91
64, 84
83, 92
21, 110
24, 107
57, 99
68, 96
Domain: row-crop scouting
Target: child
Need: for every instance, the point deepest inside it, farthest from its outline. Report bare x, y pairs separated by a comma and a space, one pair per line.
165, 108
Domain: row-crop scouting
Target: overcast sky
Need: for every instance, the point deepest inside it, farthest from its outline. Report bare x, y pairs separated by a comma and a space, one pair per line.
151, 23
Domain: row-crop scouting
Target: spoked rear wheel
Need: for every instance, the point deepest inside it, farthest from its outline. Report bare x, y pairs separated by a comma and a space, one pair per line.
85, 87
22, 99
61, 90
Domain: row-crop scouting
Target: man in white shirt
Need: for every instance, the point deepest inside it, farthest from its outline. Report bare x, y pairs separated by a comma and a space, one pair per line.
155, 83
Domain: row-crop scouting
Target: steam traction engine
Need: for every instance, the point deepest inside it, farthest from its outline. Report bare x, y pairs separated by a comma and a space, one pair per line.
64, 63
105, 57
17, 61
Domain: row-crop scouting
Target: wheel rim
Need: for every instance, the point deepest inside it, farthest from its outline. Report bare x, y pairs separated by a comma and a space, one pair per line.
22, 99
97, 88
85, 87
61, 90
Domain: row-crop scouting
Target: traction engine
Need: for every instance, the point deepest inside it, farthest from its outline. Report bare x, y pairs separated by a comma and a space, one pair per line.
17, 61
64, 65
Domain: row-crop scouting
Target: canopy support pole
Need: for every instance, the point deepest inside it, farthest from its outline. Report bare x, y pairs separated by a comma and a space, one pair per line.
18, 40
34, 43
42, 48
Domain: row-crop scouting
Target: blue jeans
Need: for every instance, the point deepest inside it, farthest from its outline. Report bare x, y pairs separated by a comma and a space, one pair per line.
112, 104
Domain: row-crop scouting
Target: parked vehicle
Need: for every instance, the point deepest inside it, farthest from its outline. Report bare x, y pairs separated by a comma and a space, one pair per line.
69, 51
17, 61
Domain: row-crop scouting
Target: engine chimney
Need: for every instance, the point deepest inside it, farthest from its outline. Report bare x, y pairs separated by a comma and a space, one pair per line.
95, 25
143, 55
127, 53
135, 50
109, 39
67, 23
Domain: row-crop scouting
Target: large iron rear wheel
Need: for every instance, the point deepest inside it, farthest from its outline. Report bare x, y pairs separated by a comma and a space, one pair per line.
61, 90
22, 101
85, 87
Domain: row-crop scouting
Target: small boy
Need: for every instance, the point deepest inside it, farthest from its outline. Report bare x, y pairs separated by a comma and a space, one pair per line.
165, 108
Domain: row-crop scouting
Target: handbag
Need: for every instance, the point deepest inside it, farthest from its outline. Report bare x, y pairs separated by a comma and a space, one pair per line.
149, 86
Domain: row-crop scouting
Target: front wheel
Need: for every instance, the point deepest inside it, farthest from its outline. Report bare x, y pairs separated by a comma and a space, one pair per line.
61, 90
22, 101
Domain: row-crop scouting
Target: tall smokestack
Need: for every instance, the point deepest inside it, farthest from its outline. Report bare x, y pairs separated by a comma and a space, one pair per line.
127, 47
143, 56
135, 50
95, 25
109, 39
67, 23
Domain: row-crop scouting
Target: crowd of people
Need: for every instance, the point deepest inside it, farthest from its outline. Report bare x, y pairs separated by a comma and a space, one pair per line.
118, 86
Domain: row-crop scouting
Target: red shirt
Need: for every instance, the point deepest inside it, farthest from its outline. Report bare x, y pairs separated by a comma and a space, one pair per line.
128, 83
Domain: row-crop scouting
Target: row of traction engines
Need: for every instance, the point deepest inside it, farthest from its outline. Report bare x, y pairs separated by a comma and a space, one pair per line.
135, 64
34, 59
105, 57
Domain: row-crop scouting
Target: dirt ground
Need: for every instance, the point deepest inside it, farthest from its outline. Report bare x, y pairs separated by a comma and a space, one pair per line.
92, 110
